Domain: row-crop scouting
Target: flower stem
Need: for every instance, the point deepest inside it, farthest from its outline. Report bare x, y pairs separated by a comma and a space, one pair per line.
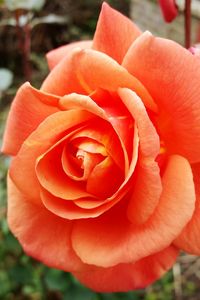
187, 14
19, 31
24, 44
27, 48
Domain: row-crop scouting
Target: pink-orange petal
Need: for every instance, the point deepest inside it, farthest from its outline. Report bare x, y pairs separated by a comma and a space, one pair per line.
104, 134
146, 192
114, 33
123, 189
90, 146
149, 139
105, 179
56, 55
68, 209
86, 162
49, 132
147, 187
119, 241
189, 240
63, 80
127, 277
83, 208
52, 177
83, 71
119, 117
97, 70
74, 100
171, 75
29, 108
42, 235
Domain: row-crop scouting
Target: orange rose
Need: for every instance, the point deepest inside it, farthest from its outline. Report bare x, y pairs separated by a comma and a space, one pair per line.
104, 180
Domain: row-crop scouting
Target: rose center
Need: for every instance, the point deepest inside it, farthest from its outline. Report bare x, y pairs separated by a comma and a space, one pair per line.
81, 156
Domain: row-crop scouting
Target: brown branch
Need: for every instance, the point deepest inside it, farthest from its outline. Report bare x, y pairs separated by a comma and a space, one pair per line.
187, 14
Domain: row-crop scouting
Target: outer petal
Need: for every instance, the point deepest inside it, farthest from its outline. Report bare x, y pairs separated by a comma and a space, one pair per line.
56, 55
83, 71
29, 108
189, 239
43, 235
119, 241
171, 75
126, 277
114, 33
63, 80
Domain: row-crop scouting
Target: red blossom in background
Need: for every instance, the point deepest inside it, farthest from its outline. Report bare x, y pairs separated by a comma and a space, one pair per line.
169, 9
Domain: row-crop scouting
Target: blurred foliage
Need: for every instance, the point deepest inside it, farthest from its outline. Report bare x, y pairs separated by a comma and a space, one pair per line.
24, 4
6, 78
21, 277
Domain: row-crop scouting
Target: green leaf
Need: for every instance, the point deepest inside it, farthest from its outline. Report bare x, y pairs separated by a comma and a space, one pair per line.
56, 280
4, 284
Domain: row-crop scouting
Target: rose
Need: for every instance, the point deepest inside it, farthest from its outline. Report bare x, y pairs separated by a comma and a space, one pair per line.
104, 179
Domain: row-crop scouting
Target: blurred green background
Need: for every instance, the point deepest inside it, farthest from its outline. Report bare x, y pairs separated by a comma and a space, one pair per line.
26, 34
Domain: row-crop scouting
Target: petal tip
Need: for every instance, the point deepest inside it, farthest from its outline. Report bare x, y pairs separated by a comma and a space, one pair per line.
105, 7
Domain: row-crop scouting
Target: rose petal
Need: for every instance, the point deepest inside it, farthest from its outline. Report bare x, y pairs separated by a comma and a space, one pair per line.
189, 240
63, 80
147, 187
29, 108
146, 192
50, 131
91, 207
105, 179
96, 207
111, 109
171, 75
97, 70
74, 100
56, 55
40, 232
79, 169
114, 33
68, 209
53, 178
126, 277
83, 71
119, 116
149, 139
113, 239
104, 134
82, 208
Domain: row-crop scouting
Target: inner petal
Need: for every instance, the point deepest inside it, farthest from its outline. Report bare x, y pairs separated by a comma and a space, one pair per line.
77, 161
102, 133
118, 115
53, 178
105, 179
